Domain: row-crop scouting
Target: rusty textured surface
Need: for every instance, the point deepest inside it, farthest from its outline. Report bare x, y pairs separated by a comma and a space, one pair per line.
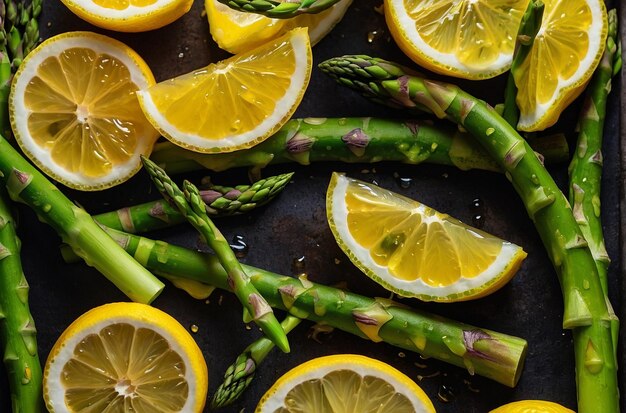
295, 226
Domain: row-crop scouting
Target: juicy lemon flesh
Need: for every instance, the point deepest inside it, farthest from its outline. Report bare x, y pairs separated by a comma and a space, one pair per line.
532, 406
557, 51
236, 89
123, 4
88, 124
476, 31
414, 241
345, 391
124, 368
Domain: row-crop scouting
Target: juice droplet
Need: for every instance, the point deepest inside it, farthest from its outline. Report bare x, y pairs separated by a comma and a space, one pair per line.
298, 265
194, 328
445, 393
405, 182
478, 221
239, 246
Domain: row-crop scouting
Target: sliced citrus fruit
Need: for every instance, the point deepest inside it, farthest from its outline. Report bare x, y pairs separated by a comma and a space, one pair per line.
532, 406
412, 249
124, 357
563, 57
129, 15
74, 110
235, 103
345, 383
472, 39
237, 32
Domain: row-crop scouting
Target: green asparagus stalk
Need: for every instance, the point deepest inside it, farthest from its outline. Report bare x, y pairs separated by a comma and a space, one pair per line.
239, 375
586, 311
220, 201
17, 328
190, 204
353, 140
77, 228
529, 27
497, 356
586, 167
278, 9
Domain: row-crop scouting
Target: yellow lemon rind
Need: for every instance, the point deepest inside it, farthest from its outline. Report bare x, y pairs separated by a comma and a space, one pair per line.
285, 107
133, 19
142, 76
532, 406
411, 43
362, 365
547, 114
500, 272
139, 315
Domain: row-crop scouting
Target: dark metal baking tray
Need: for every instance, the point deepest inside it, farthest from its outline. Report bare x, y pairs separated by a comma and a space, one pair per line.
295, 226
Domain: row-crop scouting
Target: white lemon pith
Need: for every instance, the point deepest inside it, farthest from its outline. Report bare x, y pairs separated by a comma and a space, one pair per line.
144, 361
236, 103
414, 250
345, 383
471, 39
74, 111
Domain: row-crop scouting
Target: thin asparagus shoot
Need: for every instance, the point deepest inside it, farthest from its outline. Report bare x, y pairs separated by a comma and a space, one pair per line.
190, 204
277, 9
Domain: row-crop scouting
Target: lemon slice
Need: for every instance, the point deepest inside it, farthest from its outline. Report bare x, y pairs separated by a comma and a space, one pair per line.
345, 383
236, 31
412, 249
532, 406
236, 103
125, 357
472, 39
75, 113
129, 15
563, 57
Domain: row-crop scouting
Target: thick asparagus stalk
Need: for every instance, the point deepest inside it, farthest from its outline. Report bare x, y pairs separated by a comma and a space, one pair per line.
497, 356
239, 375
220, 201
529, 27
586, 311
17, 328
190, 204
586, 166
354, 140
25, 184
278, 9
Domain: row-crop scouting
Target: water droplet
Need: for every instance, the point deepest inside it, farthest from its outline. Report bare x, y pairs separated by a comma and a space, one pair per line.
371, 36
194, 328
586, 284
239, 246
478, 221
298, 265
477, 203
405, 182
445, 393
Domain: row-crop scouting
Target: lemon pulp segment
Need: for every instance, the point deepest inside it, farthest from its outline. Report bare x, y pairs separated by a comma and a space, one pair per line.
88, 124
123, 368
123, 4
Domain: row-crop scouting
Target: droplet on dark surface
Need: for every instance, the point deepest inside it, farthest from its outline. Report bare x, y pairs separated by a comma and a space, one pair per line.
478, 221
298, 265
239, 246
445, 393
405, 182
477, 203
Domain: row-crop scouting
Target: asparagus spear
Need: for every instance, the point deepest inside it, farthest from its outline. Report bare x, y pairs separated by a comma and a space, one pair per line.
353, 140
239, 375
586, 311
220, 201
279, 9
487, 353
586, 167
189, 203
17, 328
529, 27
25, 184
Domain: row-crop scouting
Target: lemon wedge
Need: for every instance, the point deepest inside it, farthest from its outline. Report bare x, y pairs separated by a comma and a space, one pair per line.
412, 249
532, 406
345, 383
237, 32
562, 59
129, 15
236, 103
124, 357
472, 39
74, 110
